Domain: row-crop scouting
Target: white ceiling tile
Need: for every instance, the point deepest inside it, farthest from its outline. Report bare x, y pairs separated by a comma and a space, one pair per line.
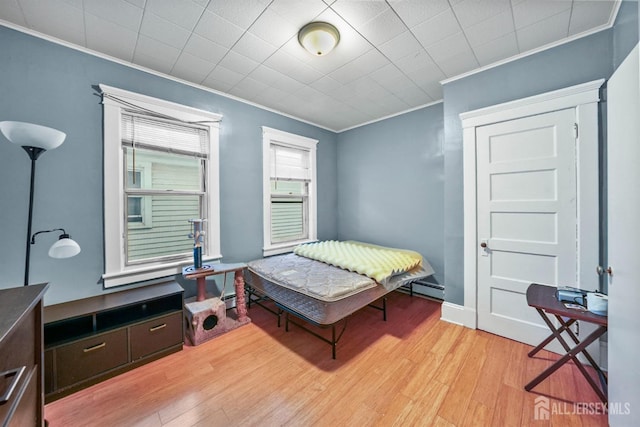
117, 11
427, 77
136, 3
56, 18
347, 73
297, 12
273, 29
162, 30
419, 61
543, 32
388, 74
289, 66
112, 39
459, 64
286, 83
451, 46
254, 47
221, 76
205, 49
218, 30
437, 28
383, 27
402, 45
184, 13
471, 12
10, 11
238, 63
248, 88
496, 50
219, 85
75, 3
528, 12
191, 68
413, 95
414, 12
154, 54
490, 29
240, 12
270, 96
326, 84
357, 12
265, 74
589, 14
371, 61
303, 73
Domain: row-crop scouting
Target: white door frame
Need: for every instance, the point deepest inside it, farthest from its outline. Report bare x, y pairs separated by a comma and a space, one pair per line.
584, 98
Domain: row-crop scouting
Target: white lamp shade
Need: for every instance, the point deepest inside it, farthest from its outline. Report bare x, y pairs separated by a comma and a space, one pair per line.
64, 248
319, 38
31, 135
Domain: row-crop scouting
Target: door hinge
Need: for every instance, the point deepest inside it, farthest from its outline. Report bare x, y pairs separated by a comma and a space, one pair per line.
575, 129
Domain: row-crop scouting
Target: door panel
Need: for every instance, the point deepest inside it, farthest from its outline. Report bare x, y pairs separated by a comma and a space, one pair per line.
526, 189
623, 156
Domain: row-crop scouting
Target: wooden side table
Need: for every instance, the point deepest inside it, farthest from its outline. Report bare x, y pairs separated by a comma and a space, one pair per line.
543, 299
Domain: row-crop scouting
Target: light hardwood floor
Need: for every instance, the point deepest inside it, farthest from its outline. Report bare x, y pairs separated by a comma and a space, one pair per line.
411, 370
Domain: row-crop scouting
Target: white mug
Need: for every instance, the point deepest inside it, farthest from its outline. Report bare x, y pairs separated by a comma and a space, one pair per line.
597, 303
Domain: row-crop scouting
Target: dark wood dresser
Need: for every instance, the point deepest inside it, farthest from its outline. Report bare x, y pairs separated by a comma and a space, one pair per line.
92, 339
21, 364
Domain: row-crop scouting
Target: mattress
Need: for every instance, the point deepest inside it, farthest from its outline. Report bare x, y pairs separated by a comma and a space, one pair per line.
319, 292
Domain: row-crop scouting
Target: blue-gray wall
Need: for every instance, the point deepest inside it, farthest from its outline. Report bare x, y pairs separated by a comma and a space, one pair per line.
390, 184
580, 61
45, 83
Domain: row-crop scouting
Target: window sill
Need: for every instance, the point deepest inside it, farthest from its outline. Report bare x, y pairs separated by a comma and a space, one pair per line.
284, 247
143, 273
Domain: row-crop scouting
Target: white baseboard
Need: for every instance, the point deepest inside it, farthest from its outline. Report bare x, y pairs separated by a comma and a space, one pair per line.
458, 314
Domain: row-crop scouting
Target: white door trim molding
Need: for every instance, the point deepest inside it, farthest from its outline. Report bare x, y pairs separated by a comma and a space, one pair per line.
584, 98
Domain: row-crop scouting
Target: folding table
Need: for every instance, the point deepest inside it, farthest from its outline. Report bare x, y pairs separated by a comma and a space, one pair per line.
543, 299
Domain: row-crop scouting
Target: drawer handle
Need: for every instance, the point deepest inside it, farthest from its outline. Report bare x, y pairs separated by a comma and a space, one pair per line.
94, 347
155, 328
16, 374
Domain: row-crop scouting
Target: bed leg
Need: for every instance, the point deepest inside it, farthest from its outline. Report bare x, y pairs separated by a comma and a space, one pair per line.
333, 341
286, 322
384, 309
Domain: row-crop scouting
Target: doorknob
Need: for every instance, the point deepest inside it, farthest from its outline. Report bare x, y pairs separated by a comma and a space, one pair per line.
483, 245
609, 271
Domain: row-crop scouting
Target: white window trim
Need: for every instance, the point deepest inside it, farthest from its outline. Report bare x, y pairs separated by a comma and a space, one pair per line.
116, 272
270, 136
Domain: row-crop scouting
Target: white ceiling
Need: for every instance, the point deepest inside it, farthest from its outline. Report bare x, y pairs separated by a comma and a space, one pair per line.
391, 57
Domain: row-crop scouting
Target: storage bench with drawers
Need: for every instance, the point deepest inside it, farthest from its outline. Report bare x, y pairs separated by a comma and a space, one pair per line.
90, 340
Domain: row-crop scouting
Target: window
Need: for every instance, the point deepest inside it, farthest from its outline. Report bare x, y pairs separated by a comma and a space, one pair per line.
289, 194
161, 170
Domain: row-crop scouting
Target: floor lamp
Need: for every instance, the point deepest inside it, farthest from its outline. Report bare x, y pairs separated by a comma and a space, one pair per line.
35, 140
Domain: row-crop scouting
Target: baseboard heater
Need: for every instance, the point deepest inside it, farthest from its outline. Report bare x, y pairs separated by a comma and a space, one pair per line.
430, 285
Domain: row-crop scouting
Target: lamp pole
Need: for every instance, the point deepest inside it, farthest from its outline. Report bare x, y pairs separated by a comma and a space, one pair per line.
34, 153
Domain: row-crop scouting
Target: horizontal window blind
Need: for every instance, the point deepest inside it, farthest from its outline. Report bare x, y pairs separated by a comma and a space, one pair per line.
287, 220
289, 163
164, 135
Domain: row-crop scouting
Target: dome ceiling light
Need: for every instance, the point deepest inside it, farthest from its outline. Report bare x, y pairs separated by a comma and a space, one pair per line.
319, 38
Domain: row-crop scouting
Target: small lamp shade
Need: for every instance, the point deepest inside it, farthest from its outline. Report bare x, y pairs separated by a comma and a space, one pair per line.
319, 38
65, 247
31, 135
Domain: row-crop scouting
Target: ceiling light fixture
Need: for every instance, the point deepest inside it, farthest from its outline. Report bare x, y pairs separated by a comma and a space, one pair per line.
319, 38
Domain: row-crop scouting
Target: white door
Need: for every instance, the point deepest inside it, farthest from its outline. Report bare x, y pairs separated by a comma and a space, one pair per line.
526, 201
623, 157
